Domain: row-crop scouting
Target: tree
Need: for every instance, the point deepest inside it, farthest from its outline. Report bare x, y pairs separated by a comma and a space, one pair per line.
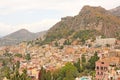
18, 64
68, 68
3, 63
69, 76
67, 42
61, 47
18, 55
24, 75
16, 75
27, 57
107, 45
92, 61
56, 43
67, 72
83, 41
55, 74
13, 74
83, 59
7, 72
42, 74
48, 75
77, 65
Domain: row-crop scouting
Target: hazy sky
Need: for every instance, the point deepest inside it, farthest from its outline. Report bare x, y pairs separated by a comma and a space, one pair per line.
39, 15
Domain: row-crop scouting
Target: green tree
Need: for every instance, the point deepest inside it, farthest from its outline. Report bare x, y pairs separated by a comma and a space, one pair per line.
16, 75
69, 76
42, 75
18, 55
24, 75
55, 75
78, 66
92, 61
7, 72
83, 59
4, 63
68, 68
61, 47
107, 45
56, 43
18, 64
83, 41
48, 75
83, 67
67, 42
27, 57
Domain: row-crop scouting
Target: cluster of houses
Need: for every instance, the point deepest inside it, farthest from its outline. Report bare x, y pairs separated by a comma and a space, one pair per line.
108, 66
52, 58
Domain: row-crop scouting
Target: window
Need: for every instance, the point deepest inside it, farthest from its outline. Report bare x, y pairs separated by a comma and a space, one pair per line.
102, 62
101, 68
97, 67
105, 68
111, 78
98, 73
101, 73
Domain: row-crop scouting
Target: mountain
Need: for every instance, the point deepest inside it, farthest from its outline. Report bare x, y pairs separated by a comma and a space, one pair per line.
96, 20
19, 36
116, 11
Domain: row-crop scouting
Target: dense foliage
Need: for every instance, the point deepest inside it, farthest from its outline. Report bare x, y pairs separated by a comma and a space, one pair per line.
71, 71
85, 34
68, 72
10, 69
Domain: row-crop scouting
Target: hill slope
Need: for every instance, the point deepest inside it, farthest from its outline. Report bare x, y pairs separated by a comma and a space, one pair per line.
116, 11
89, 18
19, 36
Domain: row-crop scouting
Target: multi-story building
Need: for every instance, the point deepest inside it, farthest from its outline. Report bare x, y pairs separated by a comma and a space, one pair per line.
105, 68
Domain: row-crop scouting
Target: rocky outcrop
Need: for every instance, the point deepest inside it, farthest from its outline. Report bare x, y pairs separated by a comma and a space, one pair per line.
89, 18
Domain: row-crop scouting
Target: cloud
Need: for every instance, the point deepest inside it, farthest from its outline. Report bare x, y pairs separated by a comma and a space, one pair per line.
39, 26
12, 6
4, 28
33, 27
15, 12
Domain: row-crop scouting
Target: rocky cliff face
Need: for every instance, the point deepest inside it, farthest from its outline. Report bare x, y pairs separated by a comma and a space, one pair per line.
89, 18
116, 11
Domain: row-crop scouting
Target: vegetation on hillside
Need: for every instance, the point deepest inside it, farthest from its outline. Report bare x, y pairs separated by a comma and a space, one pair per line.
89, 19
84, 35
71, 71
10, 69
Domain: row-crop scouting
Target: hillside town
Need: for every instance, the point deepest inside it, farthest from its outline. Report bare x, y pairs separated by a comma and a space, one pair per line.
46, 40
51, 57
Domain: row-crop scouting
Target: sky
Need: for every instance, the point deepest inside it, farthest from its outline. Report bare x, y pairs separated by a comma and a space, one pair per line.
40, 15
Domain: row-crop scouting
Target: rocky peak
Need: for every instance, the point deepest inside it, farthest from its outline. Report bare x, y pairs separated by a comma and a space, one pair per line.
90, 9
115, 11
89, 18
23, 31
19, 36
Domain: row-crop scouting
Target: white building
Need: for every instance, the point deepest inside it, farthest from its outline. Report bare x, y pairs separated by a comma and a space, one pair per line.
102, 42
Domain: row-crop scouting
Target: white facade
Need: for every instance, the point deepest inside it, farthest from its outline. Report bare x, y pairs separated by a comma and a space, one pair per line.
103, 42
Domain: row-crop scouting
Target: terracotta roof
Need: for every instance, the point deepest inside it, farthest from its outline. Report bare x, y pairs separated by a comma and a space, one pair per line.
111, 59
